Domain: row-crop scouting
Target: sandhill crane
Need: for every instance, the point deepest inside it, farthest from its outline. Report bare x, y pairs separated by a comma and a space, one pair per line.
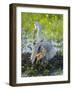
43, 49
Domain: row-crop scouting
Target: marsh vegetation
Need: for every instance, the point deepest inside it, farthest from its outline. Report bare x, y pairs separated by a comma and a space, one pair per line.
41, 44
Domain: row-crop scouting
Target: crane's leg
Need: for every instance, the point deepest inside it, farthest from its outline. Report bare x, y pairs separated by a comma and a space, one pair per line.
34, 52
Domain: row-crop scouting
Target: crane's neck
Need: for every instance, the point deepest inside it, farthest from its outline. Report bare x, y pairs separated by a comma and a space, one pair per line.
38, 36
39, 31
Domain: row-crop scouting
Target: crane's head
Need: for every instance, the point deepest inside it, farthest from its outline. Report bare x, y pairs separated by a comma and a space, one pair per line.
37, 25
